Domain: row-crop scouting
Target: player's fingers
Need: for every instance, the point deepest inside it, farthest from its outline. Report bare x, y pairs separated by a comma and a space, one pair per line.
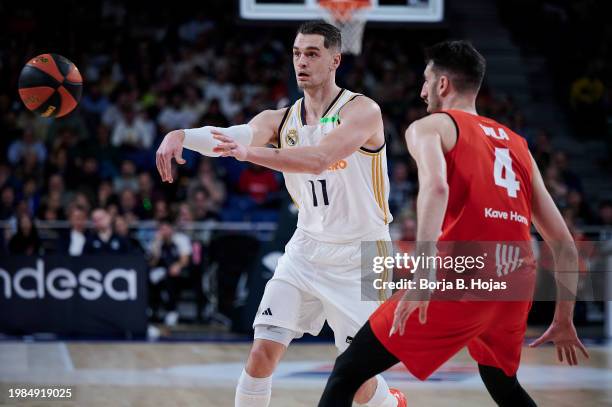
568, 356
559, 354
178, 156
402, 324
157, 164
583, 349
224, 146
573, 354
392, 330
404, 317
162, 164
220, 137
168, 166
542, 339
423, 314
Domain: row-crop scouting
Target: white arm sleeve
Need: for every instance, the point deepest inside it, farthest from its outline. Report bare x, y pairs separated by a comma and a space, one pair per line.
202, 141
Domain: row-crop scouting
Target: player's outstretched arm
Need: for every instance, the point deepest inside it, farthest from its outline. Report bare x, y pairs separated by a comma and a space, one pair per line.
361, 121
551, 226
260, 131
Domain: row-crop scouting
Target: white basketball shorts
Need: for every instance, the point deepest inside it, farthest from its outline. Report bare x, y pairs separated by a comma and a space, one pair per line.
314, 282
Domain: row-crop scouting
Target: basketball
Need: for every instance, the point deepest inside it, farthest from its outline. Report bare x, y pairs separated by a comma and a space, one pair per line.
50, 85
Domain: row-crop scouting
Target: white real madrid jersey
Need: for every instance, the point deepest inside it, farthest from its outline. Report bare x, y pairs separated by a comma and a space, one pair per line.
349, 201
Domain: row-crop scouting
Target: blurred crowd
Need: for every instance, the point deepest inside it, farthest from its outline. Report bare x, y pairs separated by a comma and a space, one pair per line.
575, 38
146, 74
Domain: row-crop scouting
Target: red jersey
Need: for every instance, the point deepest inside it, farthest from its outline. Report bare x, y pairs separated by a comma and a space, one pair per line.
489, 174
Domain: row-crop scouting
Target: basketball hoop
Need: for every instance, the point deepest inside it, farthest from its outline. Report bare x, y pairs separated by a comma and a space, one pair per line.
350, 17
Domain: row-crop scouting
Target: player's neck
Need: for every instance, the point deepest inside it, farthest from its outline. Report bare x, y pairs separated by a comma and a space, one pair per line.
318, 99
460, 103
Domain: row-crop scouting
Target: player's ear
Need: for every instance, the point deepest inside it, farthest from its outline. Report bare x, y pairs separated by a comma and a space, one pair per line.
336, 61
443, 85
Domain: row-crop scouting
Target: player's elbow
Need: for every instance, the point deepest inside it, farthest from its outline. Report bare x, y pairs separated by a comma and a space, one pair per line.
437, 189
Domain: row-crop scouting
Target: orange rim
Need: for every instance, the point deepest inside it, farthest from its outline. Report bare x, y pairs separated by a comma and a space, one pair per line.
343, 10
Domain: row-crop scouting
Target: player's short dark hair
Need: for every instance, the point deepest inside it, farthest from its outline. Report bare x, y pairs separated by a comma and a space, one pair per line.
461, 61
331, 35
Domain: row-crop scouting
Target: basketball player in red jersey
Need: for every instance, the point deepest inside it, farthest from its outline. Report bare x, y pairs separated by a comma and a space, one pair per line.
469, 167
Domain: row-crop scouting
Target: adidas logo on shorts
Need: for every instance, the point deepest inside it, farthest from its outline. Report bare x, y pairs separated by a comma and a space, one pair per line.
267, 312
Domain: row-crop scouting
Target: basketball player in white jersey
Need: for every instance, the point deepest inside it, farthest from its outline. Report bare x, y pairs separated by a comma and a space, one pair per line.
331, 150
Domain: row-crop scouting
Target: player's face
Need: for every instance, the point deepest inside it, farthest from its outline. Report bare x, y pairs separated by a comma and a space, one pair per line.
429, 90
313, 63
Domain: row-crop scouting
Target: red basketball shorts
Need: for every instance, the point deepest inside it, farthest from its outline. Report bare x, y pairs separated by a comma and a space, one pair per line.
492, 331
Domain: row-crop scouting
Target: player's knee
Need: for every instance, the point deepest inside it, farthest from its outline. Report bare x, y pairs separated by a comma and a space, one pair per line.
505, 390
365, 391
263, 359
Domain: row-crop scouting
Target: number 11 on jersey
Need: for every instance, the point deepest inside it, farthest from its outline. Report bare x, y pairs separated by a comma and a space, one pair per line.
323, 183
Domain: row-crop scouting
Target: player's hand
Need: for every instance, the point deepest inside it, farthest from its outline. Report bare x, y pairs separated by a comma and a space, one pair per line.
404, 308
228, 147
565, 338
170, 147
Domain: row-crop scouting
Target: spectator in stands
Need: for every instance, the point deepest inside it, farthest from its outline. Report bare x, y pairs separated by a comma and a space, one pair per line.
87, 179
130, 133
127, 179
51, 207
220, 88
26, 240
407, 240
146, 196
587, 102
93, 104
128, 205
31, 196
60, 163
169, 256
201, 207
160, 210
82, 200
122, 229
175, 115
560, 160
207, 179
605, 213
582, 214
30, 167
401, 193
101, 149
105, 196
6, 176
21, 147
103, 240
194, 104
55, 184
555, 185
542, 148
73, 241
259, 183
213, 116
7, 203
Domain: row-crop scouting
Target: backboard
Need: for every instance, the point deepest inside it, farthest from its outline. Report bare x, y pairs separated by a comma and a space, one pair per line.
421, 11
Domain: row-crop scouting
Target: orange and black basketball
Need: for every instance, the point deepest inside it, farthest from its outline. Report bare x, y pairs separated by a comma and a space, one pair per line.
50, 85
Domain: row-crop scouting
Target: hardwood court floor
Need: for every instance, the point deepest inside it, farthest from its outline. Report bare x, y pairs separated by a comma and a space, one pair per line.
204, 374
